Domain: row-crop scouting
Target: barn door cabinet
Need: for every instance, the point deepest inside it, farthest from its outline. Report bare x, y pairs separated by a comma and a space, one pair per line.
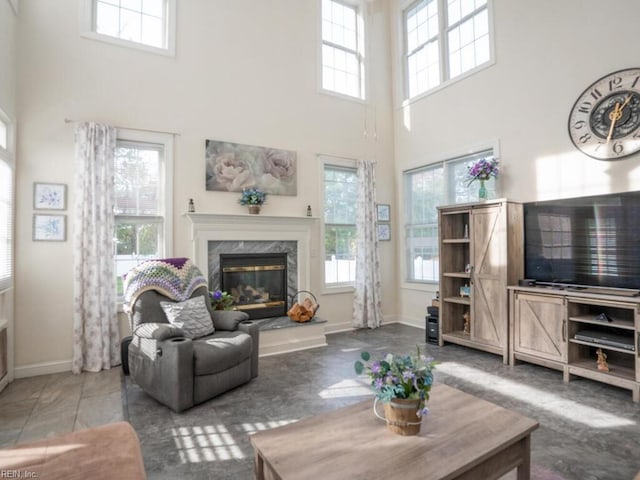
546, 324
540, 334
480, 254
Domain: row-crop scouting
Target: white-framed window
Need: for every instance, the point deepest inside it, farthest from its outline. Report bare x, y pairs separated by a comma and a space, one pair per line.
426, 188
340, 195
144, 24
6, 203
143, 199
442, 40
343, 68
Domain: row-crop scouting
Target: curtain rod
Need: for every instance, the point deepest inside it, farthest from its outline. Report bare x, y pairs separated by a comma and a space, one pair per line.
68, 120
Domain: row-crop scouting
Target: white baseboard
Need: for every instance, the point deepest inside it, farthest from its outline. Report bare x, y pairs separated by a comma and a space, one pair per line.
410, 321
387, 319
338, 327
44, 368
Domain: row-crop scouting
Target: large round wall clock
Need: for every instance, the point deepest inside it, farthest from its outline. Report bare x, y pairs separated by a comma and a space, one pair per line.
605, 120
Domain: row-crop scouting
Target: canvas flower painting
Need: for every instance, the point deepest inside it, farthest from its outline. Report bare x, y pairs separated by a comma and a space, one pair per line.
232, 167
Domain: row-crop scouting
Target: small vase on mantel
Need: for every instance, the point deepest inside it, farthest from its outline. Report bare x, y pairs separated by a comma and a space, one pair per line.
254, 209
482, 192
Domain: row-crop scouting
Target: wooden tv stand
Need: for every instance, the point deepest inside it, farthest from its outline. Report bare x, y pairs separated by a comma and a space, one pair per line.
603, 291
543, 322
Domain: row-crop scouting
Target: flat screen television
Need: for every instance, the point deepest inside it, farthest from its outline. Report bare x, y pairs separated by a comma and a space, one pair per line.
586, 241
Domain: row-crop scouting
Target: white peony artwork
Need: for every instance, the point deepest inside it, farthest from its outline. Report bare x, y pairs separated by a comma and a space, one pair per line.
232, 167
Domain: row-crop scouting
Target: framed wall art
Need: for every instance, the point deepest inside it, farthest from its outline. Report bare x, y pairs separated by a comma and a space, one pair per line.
49, 196
232, 167
49, 228
384, 232
383, 212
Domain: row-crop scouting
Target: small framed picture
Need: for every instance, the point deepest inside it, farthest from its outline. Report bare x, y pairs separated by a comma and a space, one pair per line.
49, 196
384, 232
383, 212
49, 228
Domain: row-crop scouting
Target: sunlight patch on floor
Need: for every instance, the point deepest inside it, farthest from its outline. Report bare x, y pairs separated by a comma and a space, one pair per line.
344, 389
259, 426
207, 443
211, 443
550, 402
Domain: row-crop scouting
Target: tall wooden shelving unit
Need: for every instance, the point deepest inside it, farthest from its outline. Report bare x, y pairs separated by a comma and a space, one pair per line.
480, 247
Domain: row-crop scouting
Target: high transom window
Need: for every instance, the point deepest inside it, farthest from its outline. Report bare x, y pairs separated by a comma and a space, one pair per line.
147, 24
342, 49
443, 40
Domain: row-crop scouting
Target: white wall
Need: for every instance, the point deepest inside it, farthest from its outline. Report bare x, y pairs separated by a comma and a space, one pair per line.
547, 53
245, 71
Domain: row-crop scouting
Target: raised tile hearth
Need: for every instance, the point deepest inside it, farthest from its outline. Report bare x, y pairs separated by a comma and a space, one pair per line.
281, 334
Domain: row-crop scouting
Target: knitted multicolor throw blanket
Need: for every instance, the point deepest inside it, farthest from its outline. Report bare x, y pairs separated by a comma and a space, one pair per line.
175, 278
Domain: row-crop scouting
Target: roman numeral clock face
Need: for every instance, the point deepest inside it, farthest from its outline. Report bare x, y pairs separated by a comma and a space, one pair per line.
605, 120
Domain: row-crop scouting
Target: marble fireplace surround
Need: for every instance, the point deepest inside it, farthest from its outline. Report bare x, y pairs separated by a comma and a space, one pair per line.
294, 232
210, 227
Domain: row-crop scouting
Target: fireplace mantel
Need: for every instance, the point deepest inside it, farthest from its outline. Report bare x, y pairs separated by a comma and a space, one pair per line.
197, 218
216, 227
207, 227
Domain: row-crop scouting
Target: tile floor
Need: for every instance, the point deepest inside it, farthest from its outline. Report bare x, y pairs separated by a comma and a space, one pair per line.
44, 406
588, 431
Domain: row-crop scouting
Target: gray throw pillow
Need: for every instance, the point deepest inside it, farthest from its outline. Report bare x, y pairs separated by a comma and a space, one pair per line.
191, 316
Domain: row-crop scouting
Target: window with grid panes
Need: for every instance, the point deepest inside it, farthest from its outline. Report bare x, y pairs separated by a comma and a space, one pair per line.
340, 195
444, 39
342, 49
148, 23
426, 188
142, 200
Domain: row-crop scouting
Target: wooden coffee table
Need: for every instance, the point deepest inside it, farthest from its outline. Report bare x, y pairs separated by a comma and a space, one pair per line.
463, 437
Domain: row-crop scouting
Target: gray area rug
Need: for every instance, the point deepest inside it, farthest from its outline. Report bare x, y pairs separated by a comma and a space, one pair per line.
588, 431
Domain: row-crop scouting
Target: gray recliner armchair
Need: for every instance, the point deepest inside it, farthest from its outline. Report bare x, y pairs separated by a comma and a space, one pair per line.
181, 372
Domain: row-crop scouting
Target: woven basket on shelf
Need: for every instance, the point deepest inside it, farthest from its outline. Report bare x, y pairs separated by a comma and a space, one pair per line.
303, 309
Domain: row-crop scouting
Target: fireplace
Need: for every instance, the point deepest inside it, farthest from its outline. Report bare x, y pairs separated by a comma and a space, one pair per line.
257, 282
214, 234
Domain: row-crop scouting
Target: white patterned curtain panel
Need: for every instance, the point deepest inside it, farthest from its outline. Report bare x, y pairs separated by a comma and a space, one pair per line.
95, 322
367, 310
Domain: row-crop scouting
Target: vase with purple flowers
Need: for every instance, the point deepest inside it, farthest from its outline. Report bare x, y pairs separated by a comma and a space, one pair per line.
483, 170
